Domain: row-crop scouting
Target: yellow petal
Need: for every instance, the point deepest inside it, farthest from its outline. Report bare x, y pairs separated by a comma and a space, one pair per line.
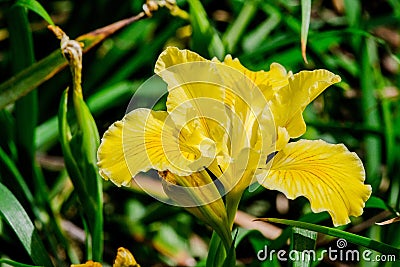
88, 264
173, 56
290, 101
330, 176
266, 81
187, 75
219, 99
200, 196
193, 190
146, 139
125, 259
111, 158
191, 85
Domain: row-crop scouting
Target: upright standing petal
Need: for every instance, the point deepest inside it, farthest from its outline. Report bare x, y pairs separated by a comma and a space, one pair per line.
268, 82
330, 176
187, 75
289, 102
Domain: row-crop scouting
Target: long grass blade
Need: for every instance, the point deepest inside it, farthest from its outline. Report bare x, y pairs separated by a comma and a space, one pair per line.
14, 214
302, 240
36, 7
30, 78
305, 24
236, 29
205, 37
373, 144
26, 109
16, 264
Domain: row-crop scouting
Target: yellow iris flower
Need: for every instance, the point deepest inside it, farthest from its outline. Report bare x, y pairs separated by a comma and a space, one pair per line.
226, 122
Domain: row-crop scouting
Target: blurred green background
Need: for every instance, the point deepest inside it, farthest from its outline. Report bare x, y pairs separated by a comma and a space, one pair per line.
358, 40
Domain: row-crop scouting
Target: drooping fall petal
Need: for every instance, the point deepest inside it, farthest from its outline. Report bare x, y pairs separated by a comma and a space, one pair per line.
111, 158
330, 176
143, 140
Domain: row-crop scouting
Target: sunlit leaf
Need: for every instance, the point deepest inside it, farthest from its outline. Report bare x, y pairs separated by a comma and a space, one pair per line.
36, 7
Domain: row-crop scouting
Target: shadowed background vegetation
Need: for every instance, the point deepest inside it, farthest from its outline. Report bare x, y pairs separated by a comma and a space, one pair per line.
44, 210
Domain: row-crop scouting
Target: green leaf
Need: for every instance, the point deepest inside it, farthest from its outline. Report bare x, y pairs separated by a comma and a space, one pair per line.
87, 147
88, 128
65, 139
256, 37
36, 7
169, 241
39, 204
370, 111
230, 259
30, 78
236, 29
305, 23
353, 238
376, 202
142, 57
302, 240
10, 166
72, 166
14, 214
353, 12
26, 109
79, 159
309, 217
216, 251
99, 102
33, 76
206, 40
16, 264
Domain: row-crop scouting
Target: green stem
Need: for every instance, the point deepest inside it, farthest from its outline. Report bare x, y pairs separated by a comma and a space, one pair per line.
232, 205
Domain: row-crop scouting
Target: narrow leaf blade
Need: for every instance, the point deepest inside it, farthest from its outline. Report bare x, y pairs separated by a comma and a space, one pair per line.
36, 7
305, 23
15, 215
303, 240
30, 78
